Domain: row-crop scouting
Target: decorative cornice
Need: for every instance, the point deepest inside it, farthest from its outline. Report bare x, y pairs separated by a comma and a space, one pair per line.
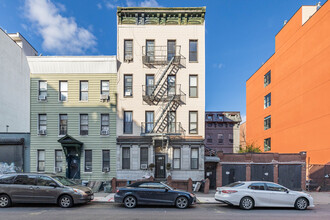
161, 16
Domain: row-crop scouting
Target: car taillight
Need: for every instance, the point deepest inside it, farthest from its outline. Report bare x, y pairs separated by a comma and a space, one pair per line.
229, 191
117, 191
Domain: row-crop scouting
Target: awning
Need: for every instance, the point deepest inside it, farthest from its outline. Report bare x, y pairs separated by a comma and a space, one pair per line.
69, 143
213, 159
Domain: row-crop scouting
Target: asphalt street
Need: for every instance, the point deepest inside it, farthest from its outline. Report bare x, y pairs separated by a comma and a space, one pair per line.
97, 211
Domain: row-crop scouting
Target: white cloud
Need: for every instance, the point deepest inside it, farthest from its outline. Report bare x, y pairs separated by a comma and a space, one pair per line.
60, 34
218, 65
113, 4
243, 118
99, 5
149, 3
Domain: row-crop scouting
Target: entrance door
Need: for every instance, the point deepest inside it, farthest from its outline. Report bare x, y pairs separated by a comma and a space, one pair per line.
210, 172
160, 166
73, 167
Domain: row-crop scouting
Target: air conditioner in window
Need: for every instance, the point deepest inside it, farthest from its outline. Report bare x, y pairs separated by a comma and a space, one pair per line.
128, 93
144, 166
106, 169
104, 97
42, 97
42, 132
128, 58
104, 132
58, 169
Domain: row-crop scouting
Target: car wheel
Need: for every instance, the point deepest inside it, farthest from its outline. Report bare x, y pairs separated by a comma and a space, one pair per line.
65, 201
4, 201
181, 202
130, 202
301, 204
246, 203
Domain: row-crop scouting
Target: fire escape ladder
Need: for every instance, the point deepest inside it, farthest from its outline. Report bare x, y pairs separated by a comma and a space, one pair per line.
164, 123
162, 76
164, 111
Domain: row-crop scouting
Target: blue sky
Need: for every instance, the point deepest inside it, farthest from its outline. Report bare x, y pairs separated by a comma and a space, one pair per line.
240, 34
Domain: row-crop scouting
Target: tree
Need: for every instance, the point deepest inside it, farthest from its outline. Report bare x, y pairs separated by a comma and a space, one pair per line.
250, 148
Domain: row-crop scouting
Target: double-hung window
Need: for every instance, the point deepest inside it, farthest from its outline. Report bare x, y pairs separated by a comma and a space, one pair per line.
267, 100
267, 79
83, 124
105, 160
193, 91
105, 88
128, 50
58, 160
126, 155
42, 96
209, 139
42, 126
230, 138
193, 122
267, 122
194, 158
63, 96
63, 124
41, 161
220, 138
128, 122
176, 158
105, 124
88, 161
149, 121
83, 90
192, 50
267, 144
128, 85
143, 158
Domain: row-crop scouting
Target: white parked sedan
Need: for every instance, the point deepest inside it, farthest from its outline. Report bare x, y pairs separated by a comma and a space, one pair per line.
249, 194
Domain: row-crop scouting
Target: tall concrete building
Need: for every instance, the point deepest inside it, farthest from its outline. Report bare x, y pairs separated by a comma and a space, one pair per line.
14, 102
161, 93
73, 116
287, 98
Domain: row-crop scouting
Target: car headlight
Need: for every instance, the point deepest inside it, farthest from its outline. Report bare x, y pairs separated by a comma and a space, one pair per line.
79, 191
192, 194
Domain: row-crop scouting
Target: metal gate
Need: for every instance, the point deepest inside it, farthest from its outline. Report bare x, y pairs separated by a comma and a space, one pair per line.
319, 176
232, 173
262, 172
211, 173
290, 176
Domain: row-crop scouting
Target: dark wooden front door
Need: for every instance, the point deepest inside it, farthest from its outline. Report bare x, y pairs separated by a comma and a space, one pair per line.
73, 171
160, 166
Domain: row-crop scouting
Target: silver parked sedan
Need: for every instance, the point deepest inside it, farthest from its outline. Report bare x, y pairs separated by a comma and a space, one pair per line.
249, 194
41, 188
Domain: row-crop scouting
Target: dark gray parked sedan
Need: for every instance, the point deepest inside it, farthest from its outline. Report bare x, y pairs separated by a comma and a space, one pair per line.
41, 188
153, 193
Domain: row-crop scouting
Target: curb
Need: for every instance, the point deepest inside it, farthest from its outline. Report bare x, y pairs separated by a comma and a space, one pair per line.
199, 203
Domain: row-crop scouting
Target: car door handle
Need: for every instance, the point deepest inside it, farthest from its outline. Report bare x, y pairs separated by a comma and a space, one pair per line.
31, 187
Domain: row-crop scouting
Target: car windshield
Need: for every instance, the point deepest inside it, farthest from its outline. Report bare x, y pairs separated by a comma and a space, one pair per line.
236, 184
65, 181
166, 185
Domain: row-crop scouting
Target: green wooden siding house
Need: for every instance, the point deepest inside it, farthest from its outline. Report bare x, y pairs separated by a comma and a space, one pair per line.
73, 116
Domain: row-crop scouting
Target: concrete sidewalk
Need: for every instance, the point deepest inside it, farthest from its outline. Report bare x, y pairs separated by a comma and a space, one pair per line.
319, 198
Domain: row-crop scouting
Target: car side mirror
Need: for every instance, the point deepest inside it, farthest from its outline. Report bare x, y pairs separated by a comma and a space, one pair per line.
53, 185
286, 190
166, 189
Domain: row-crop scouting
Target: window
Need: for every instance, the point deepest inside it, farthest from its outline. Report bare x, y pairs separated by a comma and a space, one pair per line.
150, 50
267, 100
105, 160
150, 82
143, 158
267, 123
171, 86
83, 90
58, 160
41, 161
193, 91
194, 158
128, 85
267, 144
63, 96
192, 50
176, 158
128, 122
45, 181
275, 187
149, 122
257, 186
209, 139
105, 88
83, 124
7, 179
220, 117
230, 138
171, 115
126, 158
128, 50
105, 124
209, 117
42, 126
63, 124
25, 180
267, 79
171, 46
42, 90
193, 123
220, 138
88, 161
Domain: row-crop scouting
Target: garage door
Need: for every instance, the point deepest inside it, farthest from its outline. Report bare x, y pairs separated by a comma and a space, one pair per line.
290, 176
232, 173
262, 172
